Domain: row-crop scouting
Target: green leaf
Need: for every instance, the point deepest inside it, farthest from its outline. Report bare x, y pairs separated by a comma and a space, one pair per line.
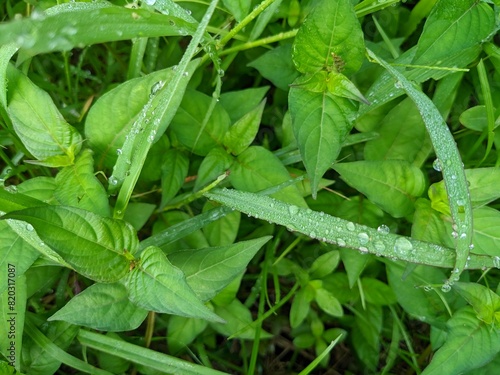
155, 276
174, 170
77, 186
321, 122
242, 133
354, 264
222, 232
11, 200
112, 116
483, 300
429, 225
193, 129
377, 292
328, 303
484, 184
470, 344
402, 136
182, 332
366, 334
66, 26
393, 185
475, 118
138, 214
324, 264
210, 270
215, 163
105, 307
486, 237
238, 8
38, 123
333, 43
257, 169
41, 188
238, 322
11, 248
97, 247
239, 103
300, 306
277, 66
456, 24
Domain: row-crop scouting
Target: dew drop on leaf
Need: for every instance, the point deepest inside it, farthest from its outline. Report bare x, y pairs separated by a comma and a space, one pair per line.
156, 87
341, 242
437, 165
29, 227
379, 246
496, 262
446, 287
118, 151
363, 250
383, 229
363, 238
113, 180
402, 245
293, 210
351, 226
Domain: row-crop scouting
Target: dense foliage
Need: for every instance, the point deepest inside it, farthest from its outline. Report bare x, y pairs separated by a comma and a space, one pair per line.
244, 186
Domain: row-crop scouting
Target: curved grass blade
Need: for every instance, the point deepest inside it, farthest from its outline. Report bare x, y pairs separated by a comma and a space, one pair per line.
344, 233
450, 164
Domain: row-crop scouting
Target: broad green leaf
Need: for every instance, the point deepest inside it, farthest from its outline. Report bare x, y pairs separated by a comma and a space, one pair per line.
422, 303
239, 103
41, 188
215, 163
238, 8
366, 333
483, 188
238, 322
456, 24
11, 200
182, 331
138, 214
321, 122
257, 169
393, 185
329, 39
483, 300
430, 225
300, 306
174, 170
324, 264
15, 253
38, 123
449, 163
475, 118
229, 293
377, 292
105, 307
222, 232
277, 66
354, 264
209, 270
242, 133
486, 237
470, 344
401, 136
193, 129
111, 118
66, 26
156, 285
328, 303
77, 186
97, 247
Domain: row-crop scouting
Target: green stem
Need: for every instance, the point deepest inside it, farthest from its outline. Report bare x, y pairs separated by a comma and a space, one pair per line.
260, 42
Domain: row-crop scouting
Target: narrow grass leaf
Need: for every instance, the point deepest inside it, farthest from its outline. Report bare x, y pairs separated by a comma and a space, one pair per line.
157, 285
99, 248
38, 123
104, 307
393, 185
66, 26
210, 270
342, 232
450, 165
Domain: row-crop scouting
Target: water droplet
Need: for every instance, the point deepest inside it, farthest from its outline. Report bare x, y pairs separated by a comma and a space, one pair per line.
427, 288
463, 235
363, 238
453, 176
341, 242
455, 270
437, 165
185, 74
398, 85
11, 189
327, 231
113, 180
220, 72
471, 246
152, 136
496, 262
119, 151
293, 210
454, 234
150, 2
157, 87
402, 245
350, 226
383, 229
446, 287
363, 250
29, 227
312, 235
